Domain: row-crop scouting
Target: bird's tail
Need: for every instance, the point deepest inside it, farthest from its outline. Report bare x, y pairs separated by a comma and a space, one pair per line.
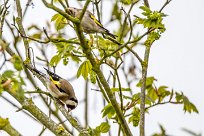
53, 75
38, 73
111, 35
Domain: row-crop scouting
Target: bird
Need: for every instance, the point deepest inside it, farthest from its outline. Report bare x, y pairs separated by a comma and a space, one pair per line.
59, 88
89, 23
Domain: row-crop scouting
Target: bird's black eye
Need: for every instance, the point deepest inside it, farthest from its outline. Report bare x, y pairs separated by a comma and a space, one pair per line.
72, 12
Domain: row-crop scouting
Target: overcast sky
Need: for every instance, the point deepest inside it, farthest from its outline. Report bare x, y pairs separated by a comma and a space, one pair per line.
176, 60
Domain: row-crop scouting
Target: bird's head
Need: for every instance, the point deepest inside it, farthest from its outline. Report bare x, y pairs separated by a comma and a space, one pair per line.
72, 11
71, 103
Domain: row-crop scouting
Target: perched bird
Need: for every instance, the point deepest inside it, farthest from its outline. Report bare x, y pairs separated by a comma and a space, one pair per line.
60, 89
89, 23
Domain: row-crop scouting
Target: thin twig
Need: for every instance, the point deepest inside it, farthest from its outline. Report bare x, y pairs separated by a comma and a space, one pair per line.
146, 2
2, 18
21, 29
161, 103
63, 5
135, 54
120, 90
165, 4
14, 105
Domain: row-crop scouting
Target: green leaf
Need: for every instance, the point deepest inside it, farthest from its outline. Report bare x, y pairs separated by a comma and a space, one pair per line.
149, 82
135, 117
8, 74
136, 97
106, 47
108, 110
1, 89
179, 97
3, 122
55, 60
36, 35
75, 58
153, 19
126, 2
17, 62
188, 106
116, 13
152, 94
163, 92
103, 128
93, 77
55, 17
84, 69
145, 9
92, 132
67, 52
65, 61
127, 97
59, 20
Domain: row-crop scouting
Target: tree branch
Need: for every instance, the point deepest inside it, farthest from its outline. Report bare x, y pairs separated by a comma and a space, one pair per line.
72, 120
14, 105
21, 29
143, 89
6, 126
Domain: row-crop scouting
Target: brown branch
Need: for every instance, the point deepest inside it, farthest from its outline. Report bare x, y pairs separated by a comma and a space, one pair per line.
146, 3
161, 103
165, 4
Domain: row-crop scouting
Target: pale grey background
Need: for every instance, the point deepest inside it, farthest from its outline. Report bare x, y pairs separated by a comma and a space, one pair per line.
176, 60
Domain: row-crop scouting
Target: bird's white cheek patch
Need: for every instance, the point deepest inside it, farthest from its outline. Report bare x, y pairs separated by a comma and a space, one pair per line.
70, 102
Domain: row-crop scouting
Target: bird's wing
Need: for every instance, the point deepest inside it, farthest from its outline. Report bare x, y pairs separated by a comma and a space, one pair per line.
96, 21
66, 87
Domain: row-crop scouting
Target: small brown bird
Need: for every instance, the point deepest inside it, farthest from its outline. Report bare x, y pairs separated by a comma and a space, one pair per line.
60, 88
89, 23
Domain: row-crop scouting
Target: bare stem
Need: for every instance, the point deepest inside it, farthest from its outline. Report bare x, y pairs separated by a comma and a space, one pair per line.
21, 29
143, 89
